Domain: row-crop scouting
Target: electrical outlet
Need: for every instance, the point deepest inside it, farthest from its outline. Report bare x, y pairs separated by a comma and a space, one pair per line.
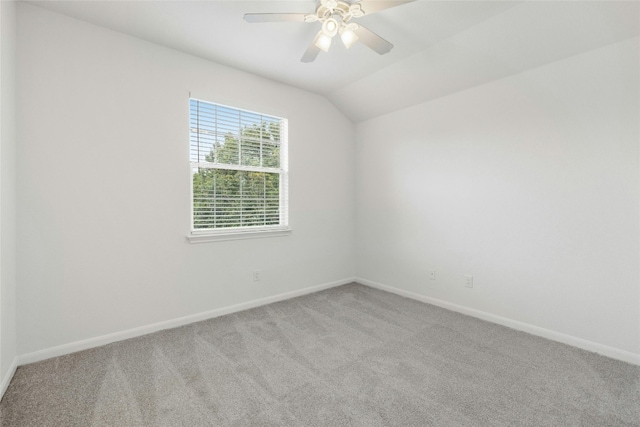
432, 275
468, 281
257, 275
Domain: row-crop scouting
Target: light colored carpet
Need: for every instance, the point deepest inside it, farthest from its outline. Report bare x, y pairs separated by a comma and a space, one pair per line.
348, 356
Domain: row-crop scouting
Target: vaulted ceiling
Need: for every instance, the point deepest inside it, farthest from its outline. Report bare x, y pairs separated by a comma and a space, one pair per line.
441, 47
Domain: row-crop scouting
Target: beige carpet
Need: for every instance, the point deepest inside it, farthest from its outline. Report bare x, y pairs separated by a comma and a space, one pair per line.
348, 356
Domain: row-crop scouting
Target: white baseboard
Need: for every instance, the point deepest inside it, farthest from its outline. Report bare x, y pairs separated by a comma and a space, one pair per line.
61, 350
8, 377
605, 350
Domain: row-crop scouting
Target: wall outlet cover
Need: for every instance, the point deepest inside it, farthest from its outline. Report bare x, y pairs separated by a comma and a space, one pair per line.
468, 281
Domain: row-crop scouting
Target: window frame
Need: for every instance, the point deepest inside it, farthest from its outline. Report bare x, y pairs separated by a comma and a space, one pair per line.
201, 235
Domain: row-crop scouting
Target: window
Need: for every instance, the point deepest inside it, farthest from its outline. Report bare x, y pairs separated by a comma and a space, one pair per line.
239, 171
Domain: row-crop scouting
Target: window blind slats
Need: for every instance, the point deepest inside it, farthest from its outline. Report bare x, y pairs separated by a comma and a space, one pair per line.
226, 135
236, 167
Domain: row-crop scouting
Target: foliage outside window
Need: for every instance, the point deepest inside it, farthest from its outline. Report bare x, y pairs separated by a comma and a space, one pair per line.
239, 169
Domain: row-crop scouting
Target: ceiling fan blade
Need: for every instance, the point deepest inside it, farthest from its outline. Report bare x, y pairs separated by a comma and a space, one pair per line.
312, 51
372, 40
275, 17
373, 6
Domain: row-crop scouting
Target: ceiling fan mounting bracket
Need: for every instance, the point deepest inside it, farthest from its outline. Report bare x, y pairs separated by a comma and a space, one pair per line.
337, 9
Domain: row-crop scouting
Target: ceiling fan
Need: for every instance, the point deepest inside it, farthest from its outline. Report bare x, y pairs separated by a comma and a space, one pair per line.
336, 18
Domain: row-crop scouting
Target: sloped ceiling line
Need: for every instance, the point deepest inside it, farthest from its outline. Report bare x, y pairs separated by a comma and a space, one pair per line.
441, 47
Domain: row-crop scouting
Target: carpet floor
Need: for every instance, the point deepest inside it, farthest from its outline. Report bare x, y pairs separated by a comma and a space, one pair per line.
347, 356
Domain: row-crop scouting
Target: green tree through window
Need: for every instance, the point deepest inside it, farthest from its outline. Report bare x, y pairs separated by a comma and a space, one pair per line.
239, 178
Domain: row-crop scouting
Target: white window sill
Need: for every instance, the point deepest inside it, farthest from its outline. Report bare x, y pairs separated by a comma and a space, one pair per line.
217, 236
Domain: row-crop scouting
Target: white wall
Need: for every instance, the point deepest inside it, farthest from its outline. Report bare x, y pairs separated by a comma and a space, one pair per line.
103, 186
529, 183
7, 193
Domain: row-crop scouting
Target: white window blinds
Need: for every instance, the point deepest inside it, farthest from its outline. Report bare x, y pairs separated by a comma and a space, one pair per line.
238, 165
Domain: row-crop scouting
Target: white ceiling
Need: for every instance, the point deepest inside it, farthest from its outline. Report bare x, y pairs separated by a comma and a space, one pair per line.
441, 47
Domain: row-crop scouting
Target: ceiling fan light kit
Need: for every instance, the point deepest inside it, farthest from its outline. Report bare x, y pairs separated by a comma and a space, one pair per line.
323, 42
335, 17
330, 27
348, 35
